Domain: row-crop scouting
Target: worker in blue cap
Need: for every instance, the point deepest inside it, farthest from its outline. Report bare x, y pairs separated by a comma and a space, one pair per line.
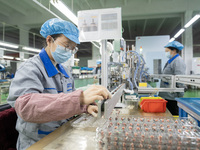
97, 71
43, 92
174, 66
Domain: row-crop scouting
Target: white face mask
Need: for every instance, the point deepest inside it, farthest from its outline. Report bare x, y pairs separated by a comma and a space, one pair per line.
168, 55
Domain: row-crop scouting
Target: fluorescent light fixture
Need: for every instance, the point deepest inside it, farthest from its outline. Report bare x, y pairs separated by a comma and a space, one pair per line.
8, 57
65, 10
179, 33
172, 39
8, 44
195, 18
31, 49
17, 58
76, 59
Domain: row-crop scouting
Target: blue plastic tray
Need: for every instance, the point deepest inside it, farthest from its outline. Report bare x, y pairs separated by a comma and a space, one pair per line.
192, 103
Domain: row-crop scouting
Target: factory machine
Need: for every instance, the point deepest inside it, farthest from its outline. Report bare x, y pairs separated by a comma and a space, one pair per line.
120, 123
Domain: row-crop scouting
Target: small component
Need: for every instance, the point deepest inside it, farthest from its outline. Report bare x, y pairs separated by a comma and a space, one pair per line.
148, 120
138, 124
131, 124
182, 120
124, 124
126, 133
110, 118
102, 133
138, 128
168, 126
142, 119
152, 137
141, 145
124, 144
111, 123
169, 130
142, 136
159, 147
160, 138
132, 145
167, 120
135, 134
122, 118
162, 120
116, 127
156, 120
161, 125
146, 129
145, 124
109, 133
178, 148
149, 146
162, 129
176, 121
154, 128
116, 118
179, 130
133, 140
170, 141
129, 119
154, 124
116, 138
130, 128
118, 123
123, 128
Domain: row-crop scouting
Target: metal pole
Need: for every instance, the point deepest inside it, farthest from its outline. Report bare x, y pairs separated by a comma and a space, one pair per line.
3, 31
104, 64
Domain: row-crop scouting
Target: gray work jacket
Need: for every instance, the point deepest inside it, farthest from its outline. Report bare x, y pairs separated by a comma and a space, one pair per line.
174, 66
38, 75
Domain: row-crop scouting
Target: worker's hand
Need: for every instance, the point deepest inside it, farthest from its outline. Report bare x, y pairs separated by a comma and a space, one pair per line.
95, 92
95, 77
93, 110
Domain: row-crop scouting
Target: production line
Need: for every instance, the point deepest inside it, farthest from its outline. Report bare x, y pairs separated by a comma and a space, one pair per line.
99, 75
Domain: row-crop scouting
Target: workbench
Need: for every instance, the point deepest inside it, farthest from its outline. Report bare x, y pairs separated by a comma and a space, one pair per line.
68, 137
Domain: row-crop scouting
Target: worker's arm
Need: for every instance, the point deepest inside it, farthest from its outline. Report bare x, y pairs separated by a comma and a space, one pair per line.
31, 104
41, 108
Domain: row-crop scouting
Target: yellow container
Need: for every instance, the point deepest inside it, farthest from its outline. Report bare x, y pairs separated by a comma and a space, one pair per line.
141, 99
143, 84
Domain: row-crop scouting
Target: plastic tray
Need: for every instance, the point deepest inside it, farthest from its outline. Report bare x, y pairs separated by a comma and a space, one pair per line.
191, 103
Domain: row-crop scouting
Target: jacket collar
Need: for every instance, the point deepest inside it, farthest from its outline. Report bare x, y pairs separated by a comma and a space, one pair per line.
171, 59
50, 68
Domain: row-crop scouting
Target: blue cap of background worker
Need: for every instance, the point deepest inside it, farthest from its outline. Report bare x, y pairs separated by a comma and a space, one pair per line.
59, 26
175, 44
98, 62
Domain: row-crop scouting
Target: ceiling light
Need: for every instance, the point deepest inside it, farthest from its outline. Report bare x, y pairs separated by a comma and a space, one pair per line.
31, 49
8, 44
195, 18
172, 39
65, 10
8, 57
17, 58
179, 33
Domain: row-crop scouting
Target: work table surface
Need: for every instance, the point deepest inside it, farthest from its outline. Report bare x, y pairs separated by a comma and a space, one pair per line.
68, 137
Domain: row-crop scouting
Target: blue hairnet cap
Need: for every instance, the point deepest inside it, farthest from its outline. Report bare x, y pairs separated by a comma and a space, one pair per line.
176, 45
98, 62
59, 26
